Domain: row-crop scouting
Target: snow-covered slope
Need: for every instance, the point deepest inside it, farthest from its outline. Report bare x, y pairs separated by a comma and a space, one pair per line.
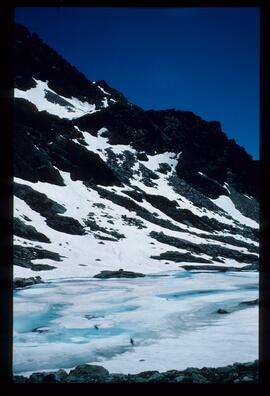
116, 231
101, 184
45, 99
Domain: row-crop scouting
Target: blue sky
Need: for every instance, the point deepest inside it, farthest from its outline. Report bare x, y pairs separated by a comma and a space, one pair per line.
204, 60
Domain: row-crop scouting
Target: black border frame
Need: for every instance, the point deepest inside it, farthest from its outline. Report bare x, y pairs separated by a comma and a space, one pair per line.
6, 167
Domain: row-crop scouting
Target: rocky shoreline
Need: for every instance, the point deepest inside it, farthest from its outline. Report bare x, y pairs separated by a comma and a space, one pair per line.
237, 373
25, 282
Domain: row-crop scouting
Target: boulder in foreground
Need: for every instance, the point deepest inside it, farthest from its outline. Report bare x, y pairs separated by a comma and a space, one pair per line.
24, 282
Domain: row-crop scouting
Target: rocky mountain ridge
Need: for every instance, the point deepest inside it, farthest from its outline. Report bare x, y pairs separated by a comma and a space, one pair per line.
101, 184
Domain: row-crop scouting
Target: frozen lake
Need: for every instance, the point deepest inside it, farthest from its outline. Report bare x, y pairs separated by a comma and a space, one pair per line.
171, 317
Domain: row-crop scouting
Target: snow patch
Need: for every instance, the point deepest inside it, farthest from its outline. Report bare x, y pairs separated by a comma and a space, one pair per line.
226, 204
37, 96
103, 90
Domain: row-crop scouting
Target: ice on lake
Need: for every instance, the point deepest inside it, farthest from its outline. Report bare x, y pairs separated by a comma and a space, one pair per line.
173, 320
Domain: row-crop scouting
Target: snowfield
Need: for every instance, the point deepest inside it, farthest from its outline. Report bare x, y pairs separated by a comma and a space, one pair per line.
81, 252
73, 107
226, 204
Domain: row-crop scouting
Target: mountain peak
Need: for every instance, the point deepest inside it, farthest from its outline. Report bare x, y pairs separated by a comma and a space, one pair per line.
36, 60
72, 132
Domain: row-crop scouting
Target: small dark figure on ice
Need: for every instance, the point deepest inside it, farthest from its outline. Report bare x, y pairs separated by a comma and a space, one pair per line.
96, 327
131, 341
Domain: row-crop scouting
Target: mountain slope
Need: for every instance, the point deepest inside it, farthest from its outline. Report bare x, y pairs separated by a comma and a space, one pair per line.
102, 184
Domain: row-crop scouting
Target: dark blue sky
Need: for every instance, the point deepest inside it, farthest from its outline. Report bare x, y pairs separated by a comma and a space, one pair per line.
204, 60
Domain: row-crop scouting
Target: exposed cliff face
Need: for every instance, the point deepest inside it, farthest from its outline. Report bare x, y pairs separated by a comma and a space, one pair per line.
152, 187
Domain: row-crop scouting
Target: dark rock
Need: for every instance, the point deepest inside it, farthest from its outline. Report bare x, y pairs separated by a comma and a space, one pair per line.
20, 379
231, 241
91, 223
208, 268
251, 267
66, 224
147, 374
181, 378
138, 379
118, 274
82, 164
142, 156
249, 207
128, 160
42, 267
213, 268
54, 98
99, 205
37, 377
156, 377
61, 374
50, 145
134, 207
103, 238
224, 370
87, 373
222, 311
31, 162
147, 174
37, 201
116, 378
247, 379
192, 370
181, 187
28, 231
23, 256
134, 194
89, 316
204, 184
209, 249
46, 377
199, 379
82, 141
24, 282
180, 257
26, 218
251, 302
50, 378
114, 94
164, 168
236, 373
133, 221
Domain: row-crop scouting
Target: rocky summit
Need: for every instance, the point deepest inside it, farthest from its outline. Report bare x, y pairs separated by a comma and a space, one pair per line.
121, 212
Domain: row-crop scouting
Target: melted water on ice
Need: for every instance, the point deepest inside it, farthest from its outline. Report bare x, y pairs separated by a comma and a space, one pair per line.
172, 319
